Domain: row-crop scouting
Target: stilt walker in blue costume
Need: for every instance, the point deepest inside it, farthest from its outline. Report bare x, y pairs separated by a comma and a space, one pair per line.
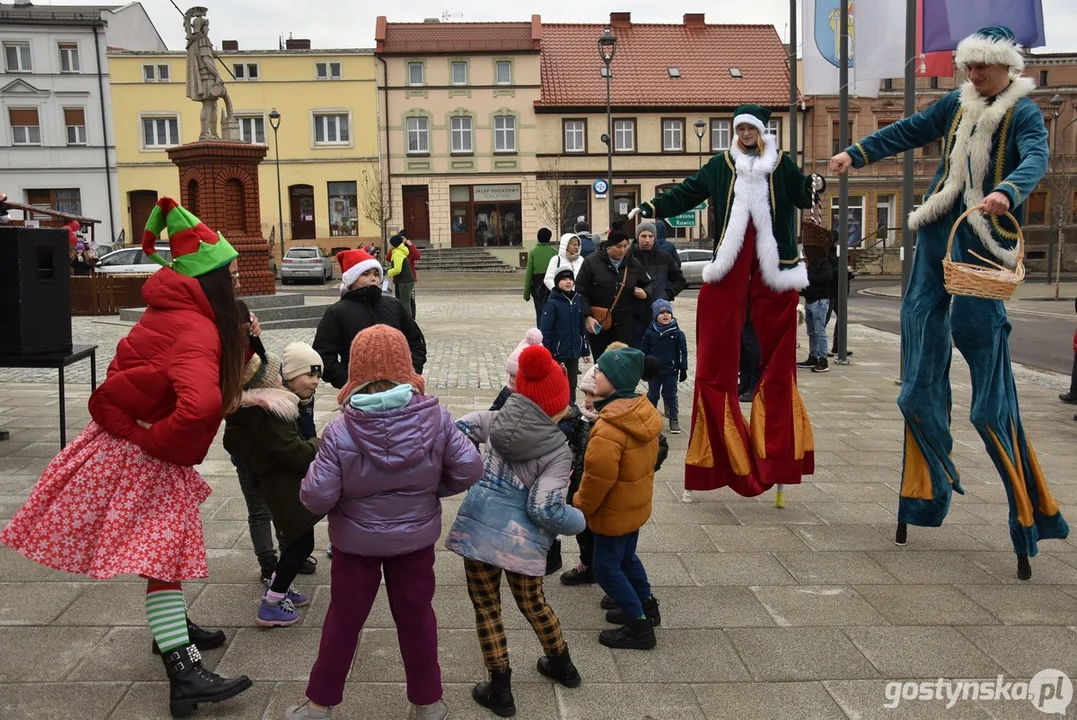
995, 154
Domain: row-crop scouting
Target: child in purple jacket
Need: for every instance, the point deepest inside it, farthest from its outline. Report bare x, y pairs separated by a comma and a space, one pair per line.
379, 475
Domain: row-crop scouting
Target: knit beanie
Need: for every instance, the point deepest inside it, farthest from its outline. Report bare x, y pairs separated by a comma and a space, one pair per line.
261, 375
531, 337
542, 380
379, 352
196, 250
646, 226
658, 307
544, 235
300, 359
622, 367
395, 240
587, 382
565, 272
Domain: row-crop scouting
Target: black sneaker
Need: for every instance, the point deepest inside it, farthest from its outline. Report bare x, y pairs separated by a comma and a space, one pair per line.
811, 362
308, 567
1068, 398
579, 575
636, 635
822, 366
674, 426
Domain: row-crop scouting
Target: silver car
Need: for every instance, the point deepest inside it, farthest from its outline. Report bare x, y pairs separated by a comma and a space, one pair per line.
132, 261
306, 263
692, 263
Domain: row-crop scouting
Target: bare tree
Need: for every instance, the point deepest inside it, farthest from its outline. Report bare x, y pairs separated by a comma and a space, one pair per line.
553, 211
1062, 182
374, 199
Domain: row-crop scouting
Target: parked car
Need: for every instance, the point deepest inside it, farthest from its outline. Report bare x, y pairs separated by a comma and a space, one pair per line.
692, 263
131, 261
306, 263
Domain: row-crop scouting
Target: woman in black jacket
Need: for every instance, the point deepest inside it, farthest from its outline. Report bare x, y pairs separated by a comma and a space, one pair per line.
609, 282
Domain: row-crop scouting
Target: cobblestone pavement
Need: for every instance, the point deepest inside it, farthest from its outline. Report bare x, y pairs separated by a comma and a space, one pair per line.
809, 611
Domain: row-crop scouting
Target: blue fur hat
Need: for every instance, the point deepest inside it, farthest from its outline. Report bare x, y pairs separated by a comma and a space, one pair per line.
992, 45
660, 306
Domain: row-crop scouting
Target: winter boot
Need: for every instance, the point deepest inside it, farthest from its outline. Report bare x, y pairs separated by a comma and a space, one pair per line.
436, 711
902, 534
1024, 569
636, 634
811, 362
650, 609
579, 575
276, 614
496, 695
190, 683
203, 639
553, 558
559, 668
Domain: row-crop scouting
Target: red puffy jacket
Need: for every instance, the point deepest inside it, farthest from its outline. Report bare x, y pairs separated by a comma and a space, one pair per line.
166, 372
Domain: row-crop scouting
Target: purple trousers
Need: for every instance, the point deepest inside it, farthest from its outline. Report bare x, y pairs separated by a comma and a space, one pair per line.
409, 581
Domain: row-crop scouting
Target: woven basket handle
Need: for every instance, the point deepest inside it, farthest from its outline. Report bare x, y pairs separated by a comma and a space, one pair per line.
957, 223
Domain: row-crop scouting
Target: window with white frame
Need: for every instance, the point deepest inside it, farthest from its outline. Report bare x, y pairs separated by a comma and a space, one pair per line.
245, 71
458, 70
160, 132
575, 136
75, 121
719, 135
504, 133
25, 126
673, 135
418, 131
503, 72
155, 73
416, 74
17, 57
253, 129
69, 57
327, 70
460, 130
624, 135
774, 127
331, 129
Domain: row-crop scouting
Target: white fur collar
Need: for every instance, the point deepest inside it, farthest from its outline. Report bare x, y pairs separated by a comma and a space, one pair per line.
763, 164
280, 402
972, 149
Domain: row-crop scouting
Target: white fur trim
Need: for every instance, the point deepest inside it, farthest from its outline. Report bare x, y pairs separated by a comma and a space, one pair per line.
752, 120
973, 149
280, 402
348, 278
751, 201
979, 49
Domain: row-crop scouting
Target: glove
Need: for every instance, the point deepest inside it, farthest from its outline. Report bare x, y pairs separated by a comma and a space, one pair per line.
818, 183
684, 376
633, 213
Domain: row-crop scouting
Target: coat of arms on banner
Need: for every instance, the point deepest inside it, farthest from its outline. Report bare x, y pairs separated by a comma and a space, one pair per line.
827, 35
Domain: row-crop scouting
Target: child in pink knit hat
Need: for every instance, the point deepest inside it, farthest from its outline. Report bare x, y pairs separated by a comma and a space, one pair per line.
531, 337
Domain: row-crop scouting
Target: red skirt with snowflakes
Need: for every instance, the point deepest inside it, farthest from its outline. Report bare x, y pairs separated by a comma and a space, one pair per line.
103, 507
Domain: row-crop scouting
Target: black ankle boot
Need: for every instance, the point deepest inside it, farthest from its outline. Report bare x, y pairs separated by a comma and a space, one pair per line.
902, 534
650, 609
190, 683
496, 695
579, 575
200, 637
635, 635
1024, 568
560, 668
553, 558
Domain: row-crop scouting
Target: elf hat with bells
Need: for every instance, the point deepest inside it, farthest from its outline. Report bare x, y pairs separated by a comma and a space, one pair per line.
196, 250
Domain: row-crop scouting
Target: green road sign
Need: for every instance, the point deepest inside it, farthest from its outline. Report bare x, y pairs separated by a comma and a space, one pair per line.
684, 220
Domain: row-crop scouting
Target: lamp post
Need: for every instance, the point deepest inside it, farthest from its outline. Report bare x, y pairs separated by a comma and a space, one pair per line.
701, 130
1056, 104
607, 46
274, 122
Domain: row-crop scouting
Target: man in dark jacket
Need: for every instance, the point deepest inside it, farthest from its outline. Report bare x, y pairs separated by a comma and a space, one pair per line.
608, 282
822, 276
588, 243
665, 245
667, 278
361, 305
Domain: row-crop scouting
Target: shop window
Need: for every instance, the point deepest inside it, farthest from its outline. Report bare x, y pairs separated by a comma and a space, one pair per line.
575, 205
1036, 208
343, 209
856, 218
497, 214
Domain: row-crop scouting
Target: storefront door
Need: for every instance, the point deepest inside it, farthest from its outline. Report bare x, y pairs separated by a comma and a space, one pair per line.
416, 201
625, 198
301, 202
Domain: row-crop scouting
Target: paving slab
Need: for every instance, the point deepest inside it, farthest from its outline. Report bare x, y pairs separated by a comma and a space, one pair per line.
794, 653
921, 652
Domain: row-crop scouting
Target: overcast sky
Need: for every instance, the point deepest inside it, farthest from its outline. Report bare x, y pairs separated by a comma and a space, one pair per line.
257, 24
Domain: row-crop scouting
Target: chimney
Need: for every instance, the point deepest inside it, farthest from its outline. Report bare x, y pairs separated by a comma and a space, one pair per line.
230, 45
620, 19
694, 20
296, 44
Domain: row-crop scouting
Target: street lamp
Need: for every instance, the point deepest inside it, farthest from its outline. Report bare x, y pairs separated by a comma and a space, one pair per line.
701, 130
274, 122
1053, 245
607, 46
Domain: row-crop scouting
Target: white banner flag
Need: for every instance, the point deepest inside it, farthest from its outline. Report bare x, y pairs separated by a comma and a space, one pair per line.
876, 45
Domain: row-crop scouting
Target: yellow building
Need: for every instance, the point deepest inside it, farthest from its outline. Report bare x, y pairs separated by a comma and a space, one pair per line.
328, 135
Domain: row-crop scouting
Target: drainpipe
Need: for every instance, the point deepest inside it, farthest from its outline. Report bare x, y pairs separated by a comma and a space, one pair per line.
388, 159
104, 135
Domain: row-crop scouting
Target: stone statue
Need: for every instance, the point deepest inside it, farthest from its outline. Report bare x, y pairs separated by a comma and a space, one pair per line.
204, 83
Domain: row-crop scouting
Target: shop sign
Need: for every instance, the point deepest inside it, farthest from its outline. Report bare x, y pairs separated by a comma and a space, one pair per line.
495, 193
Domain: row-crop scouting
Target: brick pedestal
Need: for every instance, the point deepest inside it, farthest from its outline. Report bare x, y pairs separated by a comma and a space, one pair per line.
219, 184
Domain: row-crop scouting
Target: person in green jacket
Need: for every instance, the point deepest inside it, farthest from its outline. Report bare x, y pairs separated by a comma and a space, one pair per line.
537, 261
753, 188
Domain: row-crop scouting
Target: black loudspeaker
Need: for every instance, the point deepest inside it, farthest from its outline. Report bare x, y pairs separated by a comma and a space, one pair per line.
35, 291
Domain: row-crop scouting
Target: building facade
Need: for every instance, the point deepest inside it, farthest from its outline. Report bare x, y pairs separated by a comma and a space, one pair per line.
326, 137
57, 136
457, 118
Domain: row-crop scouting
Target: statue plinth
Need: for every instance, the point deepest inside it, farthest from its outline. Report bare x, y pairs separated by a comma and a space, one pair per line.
219, 184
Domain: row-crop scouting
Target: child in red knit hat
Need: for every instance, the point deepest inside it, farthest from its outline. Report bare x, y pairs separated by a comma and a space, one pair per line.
512, 515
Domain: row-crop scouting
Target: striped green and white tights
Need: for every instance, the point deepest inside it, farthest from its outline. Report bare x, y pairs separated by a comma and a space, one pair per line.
167, 614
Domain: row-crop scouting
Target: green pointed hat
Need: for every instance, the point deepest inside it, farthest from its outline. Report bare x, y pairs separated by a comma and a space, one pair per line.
196, 250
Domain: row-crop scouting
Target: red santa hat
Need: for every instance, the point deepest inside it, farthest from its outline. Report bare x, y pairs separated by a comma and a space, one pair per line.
354, 263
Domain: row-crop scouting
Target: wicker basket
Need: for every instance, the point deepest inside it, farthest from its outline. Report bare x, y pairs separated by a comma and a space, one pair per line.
996, 282
812, 233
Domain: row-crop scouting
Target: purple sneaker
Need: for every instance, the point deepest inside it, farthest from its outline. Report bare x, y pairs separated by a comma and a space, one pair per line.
280, 614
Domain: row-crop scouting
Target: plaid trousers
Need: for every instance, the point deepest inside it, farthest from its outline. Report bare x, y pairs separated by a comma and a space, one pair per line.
484, 587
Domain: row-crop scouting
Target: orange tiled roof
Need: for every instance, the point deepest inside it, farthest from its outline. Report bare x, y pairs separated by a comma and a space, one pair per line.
457, 37
571, 66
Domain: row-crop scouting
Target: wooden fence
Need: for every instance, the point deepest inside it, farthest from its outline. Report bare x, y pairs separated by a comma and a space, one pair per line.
100, 294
